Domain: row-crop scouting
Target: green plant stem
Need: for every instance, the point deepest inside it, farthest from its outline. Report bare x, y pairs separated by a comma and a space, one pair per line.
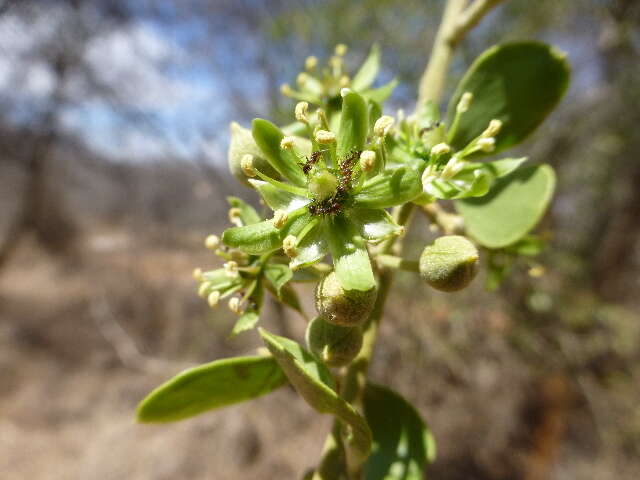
457, 20
397, 263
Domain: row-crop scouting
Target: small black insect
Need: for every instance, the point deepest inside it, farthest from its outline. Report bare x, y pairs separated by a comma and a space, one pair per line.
430, 127
315, 156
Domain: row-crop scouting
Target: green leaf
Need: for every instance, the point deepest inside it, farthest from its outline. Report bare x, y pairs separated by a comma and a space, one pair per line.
368, 71
517, 83
374, 225
278, 199
253, 239
248, 214
209, 386
311, 249
472, 184
402, 443
390, 188
278, 275
313, 381
268, 137
381, 94
350, 257
247, 321
513, 207
354, 124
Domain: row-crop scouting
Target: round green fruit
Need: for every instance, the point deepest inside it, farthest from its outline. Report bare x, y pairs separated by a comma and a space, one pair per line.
343, 307
334, 345
450, 264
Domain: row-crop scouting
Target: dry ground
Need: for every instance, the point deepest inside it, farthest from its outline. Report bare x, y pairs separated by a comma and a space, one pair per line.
82, 341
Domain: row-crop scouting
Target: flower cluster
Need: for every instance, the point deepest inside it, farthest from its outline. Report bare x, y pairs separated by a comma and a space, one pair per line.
329, 192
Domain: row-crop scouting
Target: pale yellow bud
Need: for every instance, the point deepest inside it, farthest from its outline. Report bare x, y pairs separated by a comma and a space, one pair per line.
213, 298
453, 166
285, 89
367, 160
212, 242
311, 63
383, 125
289, 246
234, 305
341, 49
487, 144
465, 101
325, 137
234, 216
302, 108
302, 79
203, 289
493, 129
246, 164
287, 143
197, 274
344, 81
231, 269
280, 217
440, 149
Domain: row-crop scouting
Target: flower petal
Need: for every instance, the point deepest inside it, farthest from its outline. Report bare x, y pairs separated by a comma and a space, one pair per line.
311, 249
374, 225
392, 187
278, 199
350, 257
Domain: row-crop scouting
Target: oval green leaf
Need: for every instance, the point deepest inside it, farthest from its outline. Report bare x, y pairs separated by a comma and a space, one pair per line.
368, 71
253, 239
354, 124
402, 443
313, 381
517, 83
390, 188
350, 256
210, 386
513, 207
268, 137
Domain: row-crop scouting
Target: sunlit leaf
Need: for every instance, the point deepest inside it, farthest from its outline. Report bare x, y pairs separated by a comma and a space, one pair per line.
253, 239
368, 71
268, 138
381, 94
314, 383
392, 187
311, 249
209, 386
248, 214
513, 207
278, 275
517, 83
375, 225
350, 257
246, 321
354, 124
402, 443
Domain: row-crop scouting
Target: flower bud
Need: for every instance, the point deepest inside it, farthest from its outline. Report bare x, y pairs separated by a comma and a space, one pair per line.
311, 63
287, 143
212, 242
493, 129
450, 264
343, 307
242, 144
301, 111
325, 137
341, 49
289, 246
465, 101
487, 144
333, 344
440, 149
367, 160
383, 125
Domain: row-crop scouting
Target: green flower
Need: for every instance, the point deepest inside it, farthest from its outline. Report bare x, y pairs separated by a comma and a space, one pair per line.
244, 278
332, 201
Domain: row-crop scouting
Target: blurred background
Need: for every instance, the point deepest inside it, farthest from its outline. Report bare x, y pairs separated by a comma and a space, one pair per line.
114, 122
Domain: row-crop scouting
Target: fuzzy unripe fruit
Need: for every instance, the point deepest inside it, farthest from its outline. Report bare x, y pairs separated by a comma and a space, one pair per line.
343, 307
450, 264
242, 143
333, 344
